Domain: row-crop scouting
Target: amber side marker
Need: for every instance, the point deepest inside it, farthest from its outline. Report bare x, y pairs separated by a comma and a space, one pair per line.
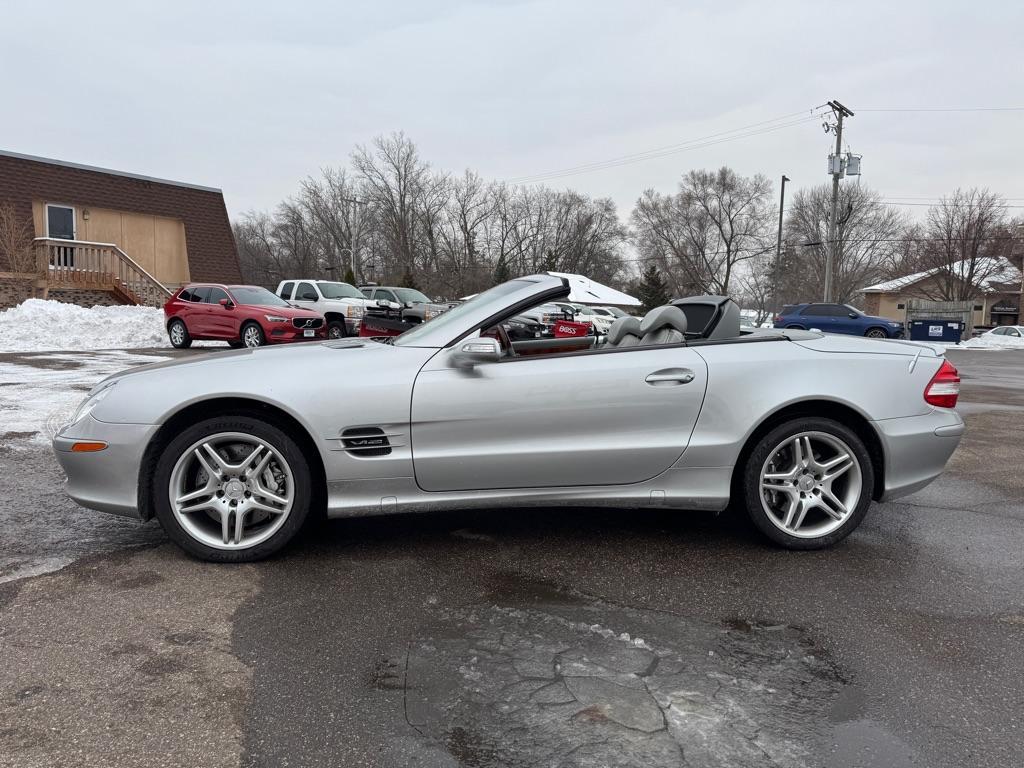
87, 447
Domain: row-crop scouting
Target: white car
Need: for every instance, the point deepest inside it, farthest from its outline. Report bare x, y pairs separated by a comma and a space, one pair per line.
341, 304
1007, 336
600, 318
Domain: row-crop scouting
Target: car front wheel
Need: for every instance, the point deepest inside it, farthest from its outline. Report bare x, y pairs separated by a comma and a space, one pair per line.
876, 333
808, 482
336, 329
232, 489
252, 335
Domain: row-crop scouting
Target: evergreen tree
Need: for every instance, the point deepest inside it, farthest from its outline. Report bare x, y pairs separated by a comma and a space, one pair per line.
408, 281
653, 290
350, 276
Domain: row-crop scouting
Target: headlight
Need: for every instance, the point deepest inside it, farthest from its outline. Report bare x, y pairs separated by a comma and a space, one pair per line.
276, 319
92, 401
427, 314
896, 325
354, 310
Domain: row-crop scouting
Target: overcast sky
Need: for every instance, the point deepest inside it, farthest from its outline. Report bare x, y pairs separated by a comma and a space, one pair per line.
253, 96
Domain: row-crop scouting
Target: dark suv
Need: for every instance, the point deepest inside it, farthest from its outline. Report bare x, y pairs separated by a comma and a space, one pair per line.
838, 318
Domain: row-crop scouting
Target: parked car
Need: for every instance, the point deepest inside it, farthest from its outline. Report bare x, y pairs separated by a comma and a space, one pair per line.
342, 305
600, 320
680, 409
838, 318
417, 307
241, 315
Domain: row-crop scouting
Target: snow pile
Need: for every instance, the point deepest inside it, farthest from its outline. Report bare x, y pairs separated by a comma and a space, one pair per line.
37, 325
992, 341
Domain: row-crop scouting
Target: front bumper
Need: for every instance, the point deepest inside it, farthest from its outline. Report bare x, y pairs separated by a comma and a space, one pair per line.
106, 480
284, 334
916, 449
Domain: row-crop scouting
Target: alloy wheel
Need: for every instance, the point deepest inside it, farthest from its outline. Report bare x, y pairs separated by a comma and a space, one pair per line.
231, 490
335, 332
874, 333
177, 334
251, 336
810, 484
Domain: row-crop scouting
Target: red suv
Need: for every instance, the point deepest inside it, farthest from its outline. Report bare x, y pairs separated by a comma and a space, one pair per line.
241, 315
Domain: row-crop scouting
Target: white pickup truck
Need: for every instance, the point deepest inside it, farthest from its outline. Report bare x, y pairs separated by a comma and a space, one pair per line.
341, 304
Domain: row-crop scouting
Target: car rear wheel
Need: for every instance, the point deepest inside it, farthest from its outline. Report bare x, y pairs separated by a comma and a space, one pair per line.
252, 335
178, 334
876, 333
807, 483
336, 329
232, 489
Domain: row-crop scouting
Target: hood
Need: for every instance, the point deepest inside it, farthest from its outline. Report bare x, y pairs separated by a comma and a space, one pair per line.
290, 311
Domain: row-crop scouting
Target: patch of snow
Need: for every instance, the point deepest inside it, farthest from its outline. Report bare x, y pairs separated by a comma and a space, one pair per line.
992, 341
40, 393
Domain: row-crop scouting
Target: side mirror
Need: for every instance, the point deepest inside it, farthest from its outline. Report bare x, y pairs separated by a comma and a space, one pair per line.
409, 305
310, 296
476, 351
226, 303
853, 315
384, 303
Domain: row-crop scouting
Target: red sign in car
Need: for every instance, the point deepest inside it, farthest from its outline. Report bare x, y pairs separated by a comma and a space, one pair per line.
567, 329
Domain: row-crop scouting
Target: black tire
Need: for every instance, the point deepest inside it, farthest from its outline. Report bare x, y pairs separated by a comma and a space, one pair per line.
795, 328
178, 333
279, 440
255, 331
767, 444
336, 329
876, 333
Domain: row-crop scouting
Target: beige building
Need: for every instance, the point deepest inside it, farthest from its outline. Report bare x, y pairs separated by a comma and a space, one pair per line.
995, 293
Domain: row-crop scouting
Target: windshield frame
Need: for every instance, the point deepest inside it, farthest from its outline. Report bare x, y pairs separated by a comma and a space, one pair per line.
426, 299
486, 308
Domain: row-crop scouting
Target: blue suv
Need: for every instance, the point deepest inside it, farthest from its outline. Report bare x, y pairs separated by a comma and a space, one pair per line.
838, 318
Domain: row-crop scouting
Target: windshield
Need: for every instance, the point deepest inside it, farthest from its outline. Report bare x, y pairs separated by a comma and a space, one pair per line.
339, 291
615, 311
411, 294
251, 294
453, 317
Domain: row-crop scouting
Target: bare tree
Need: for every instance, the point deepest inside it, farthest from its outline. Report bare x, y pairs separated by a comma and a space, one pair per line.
16, 235
965, 232
714, 222
870, 237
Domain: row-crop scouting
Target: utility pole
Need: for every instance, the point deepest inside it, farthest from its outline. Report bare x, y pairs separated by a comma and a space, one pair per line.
778, 244
837, 173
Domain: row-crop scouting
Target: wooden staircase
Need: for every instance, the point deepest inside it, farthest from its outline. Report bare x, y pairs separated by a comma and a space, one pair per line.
78, 264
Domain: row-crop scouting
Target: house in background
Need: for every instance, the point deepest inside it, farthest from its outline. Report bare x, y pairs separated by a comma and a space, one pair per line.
108, 237
994, 295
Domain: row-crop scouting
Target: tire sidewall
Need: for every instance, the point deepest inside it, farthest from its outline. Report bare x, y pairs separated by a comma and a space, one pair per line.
186, 339
337, 324
252, 324
759, 455
271, 434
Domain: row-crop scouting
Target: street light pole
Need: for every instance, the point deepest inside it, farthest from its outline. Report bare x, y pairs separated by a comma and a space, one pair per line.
778, 244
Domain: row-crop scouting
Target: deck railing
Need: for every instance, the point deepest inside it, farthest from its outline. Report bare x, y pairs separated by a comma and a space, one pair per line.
103, 266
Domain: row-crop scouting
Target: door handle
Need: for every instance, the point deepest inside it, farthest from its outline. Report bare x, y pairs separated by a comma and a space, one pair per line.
670, 376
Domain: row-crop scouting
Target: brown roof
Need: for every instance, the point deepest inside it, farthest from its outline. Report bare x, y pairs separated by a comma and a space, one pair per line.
212, 256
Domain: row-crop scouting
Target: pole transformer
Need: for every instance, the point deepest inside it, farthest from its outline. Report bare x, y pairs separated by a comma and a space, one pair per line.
832, 251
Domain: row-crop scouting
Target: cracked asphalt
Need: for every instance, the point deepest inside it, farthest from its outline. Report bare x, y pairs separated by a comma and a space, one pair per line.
542, 637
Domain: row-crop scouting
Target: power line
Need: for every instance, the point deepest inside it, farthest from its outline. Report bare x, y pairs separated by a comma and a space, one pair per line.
754, 129
945, 109
933, 205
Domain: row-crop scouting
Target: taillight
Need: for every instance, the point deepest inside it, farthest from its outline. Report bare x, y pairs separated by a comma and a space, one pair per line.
778, 319
944, 388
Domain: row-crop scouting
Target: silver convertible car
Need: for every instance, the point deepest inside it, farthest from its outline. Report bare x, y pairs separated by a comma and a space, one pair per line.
234, 452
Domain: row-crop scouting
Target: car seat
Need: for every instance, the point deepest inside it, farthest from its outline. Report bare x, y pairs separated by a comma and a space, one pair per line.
663, 325
624, 332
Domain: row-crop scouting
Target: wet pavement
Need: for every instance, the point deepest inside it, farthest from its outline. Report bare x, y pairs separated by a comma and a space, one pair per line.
538, 637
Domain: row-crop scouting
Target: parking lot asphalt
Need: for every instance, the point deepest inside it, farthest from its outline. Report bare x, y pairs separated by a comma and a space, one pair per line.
541, 637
